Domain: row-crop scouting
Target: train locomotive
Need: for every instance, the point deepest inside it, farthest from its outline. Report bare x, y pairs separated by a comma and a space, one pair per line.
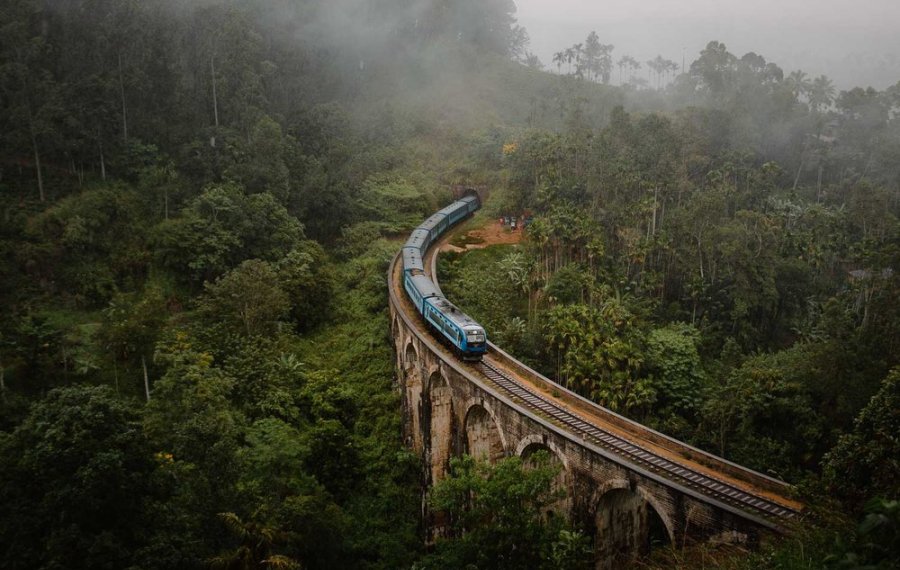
445, 319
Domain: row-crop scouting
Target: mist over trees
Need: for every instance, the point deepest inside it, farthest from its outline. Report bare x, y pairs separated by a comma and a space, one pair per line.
198, 203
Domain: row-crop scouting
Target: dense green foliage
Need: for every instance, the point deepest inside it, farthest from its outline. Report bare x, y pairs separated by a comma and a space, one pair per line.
199, 203
691, 273
499, 517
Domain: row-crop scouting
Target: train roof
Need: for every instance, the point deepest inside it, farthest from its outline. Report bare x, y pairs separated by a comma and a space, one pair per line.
453, 313
417, 238
432, 221
412, 258
424, 286
470, 198
447, 210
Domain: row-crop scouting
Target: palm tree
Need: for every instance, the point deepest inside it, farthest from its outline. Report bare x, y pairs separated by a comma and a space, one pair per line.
570, 57
798, 83
635, 65
671, 66
579, 55
623, 61
605, 62
631, 63
821, 94
658, 65
558, 58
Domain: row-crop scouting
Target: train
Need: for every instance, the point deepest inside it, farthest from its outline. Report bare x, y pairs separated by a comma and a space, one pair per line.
447, 322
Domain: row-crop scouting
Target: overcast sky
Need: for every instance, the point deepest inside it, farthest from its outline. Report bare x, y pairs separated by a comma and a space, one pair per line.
852, 42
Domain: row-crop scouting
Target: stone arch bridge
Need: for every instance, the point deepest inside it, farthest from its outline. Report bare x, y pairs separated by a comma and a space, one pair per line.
627, 485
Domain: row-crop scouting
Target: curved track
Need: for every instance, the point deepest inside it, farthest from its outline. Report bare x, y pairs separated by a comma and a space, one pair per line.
633, 453
767, 502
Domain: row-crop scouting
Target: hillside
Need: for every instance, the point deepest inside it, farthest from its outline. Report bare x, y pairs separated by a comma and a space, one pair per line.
199, 202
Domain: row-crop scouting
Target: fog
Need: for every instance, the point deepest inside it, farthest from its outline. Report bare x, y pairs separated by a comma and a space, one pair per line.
853, 43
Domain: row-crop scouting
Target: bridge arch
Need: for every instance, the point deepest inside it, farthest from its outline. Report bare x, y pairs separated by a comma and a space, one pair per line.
483, 437
534, 443
531, 443
410, 354
630, 522
440, 434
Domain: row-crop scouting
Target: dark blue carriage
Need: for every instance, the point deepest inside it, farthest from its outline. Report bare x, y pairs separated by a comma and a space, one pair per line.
458, 328
454, 326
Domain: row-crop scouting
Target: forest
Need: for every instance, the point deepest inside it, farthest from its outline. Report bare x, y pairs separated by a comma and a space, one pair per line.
200, 201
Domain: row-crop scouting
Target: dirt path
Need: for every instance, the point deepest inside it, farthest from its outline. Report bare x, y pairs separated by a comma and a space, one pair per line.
494, 233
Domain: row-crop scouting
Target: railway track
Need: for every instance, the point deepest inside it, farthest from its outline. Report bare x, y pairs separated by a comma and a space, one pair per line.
762, 506
635, 454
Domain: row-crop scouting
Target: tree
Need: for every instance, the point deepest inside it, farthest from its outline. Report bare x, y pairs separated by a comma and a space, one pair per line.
599, 354
763, 414
31, 98
262, 168
498, 517
596, 58
304, 274
130, 327
866, 462
634, 65
571, 55
676, 368
74, 480
247, 300
660, 65
798, 83
821, 93
255, 549
559, 58
714, 69
222, 227
622, 63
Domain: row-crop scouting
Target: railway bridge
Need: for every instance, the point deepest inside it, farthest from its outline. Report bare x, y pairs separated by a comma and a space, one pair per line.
626, 484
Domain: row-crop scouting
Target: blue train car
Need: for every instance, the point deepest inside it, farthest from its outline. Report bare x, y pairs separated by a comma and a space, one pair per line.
472, 203
412, 260
436, 225
451, 324
419, 288
457, 327
455, 211
419, 239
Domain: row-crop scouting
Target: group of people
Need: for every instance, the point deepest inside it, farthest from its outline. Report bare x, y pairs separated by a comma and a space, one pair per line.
516, 222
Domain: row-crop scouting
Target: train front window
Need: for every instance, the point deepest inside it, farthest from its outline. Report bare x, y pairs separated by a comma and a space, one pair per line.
475, 336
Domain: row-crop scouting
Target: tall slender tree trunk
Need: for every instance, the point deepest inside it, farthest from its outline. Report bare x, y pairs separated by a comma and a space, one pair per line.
102, 161
212, 67
122, 95
37, 165
146, 378
819, 185
700, 256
